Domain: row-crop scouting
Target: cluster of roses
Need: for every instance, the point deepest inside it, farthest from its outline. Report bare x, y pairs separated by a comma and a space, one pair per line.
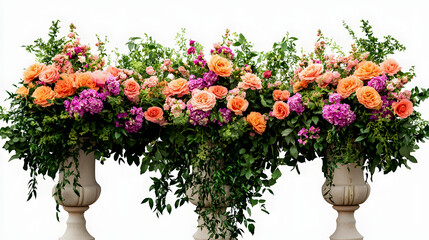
376, 87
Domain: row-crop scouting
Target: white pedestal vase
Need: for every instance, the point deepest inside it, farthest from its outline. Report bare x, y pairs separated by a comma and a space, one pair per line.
202, 231
347, 191
75, 205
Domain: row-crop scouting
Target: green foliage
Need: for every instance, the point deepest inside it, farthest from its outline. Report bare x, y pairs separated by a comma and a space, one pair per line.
45, 51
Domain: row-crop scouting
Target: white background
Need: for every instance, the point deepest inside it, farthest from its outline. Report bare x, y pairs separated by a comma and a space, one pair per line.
397, 207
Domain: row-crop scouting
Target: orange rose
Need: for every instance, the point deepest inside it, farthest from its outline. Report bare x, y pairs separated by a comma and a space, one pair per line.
298, 86
279, 95
221, 66
42, 94
203, 100
369, 97
366, 70
281, 110
132, 90
178, 87
238, 105
112, 70
250, 81
33, 72
390, 67
154, 114
403, 108
348, 85
85, 80
22, 92
311, 73
219, 91
49, 74
66, 86
257, 121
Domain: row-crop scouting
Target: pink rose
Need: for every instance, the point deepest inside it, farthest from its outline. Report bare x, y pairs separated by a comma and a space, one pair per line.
250, 81
100, 77
150, 70
203, 100
49, 74
167, 62
267, 74
324, 80
132, 90
150, 82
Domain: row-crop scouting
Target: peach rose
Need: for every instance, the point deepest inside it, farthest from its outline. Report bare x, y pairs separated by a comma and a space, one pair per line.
403, 108
100, 77
390, 67
257, 121
22, 92
219, 91
49, 74
366, 70
348, 85
298, 86
112, 70
85, 80
281, 110
33, 72
42, 94
203, 100
65, 86
238, 105
369, 97
132, 90
154, 114
178, 87
279, 95
220, 65
311, 73
250, 81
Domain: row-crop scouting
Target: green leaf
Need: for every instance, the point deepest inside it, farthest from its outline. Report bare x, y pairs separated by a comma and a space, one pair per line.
169, 208
315, 119
117, 135
286, 132
294, 151
248, 174
404, 151
263, 102
251, 228
360, 138
242, 151
276, 174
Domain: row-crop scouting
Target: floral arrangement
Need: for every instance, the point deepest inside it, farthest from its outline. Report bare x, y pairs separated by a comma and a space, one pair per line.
355, 108
215, 126
66, 102
220, 117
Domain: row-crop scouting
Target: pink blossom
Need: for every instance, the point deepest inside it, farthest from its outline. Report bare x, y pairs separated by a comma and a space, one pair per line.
150, 70
167, 62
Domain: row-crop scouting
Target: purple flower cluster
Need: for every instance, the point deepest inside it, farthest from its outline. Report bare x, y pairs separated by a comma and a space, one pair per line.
200, 61
198, 117
384, 111
306, 134
226, 115
338, 114
195, 83
295, 104
335, 98
209, 78
378, 83
112, 86
223, 50
134, 120
88, 101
